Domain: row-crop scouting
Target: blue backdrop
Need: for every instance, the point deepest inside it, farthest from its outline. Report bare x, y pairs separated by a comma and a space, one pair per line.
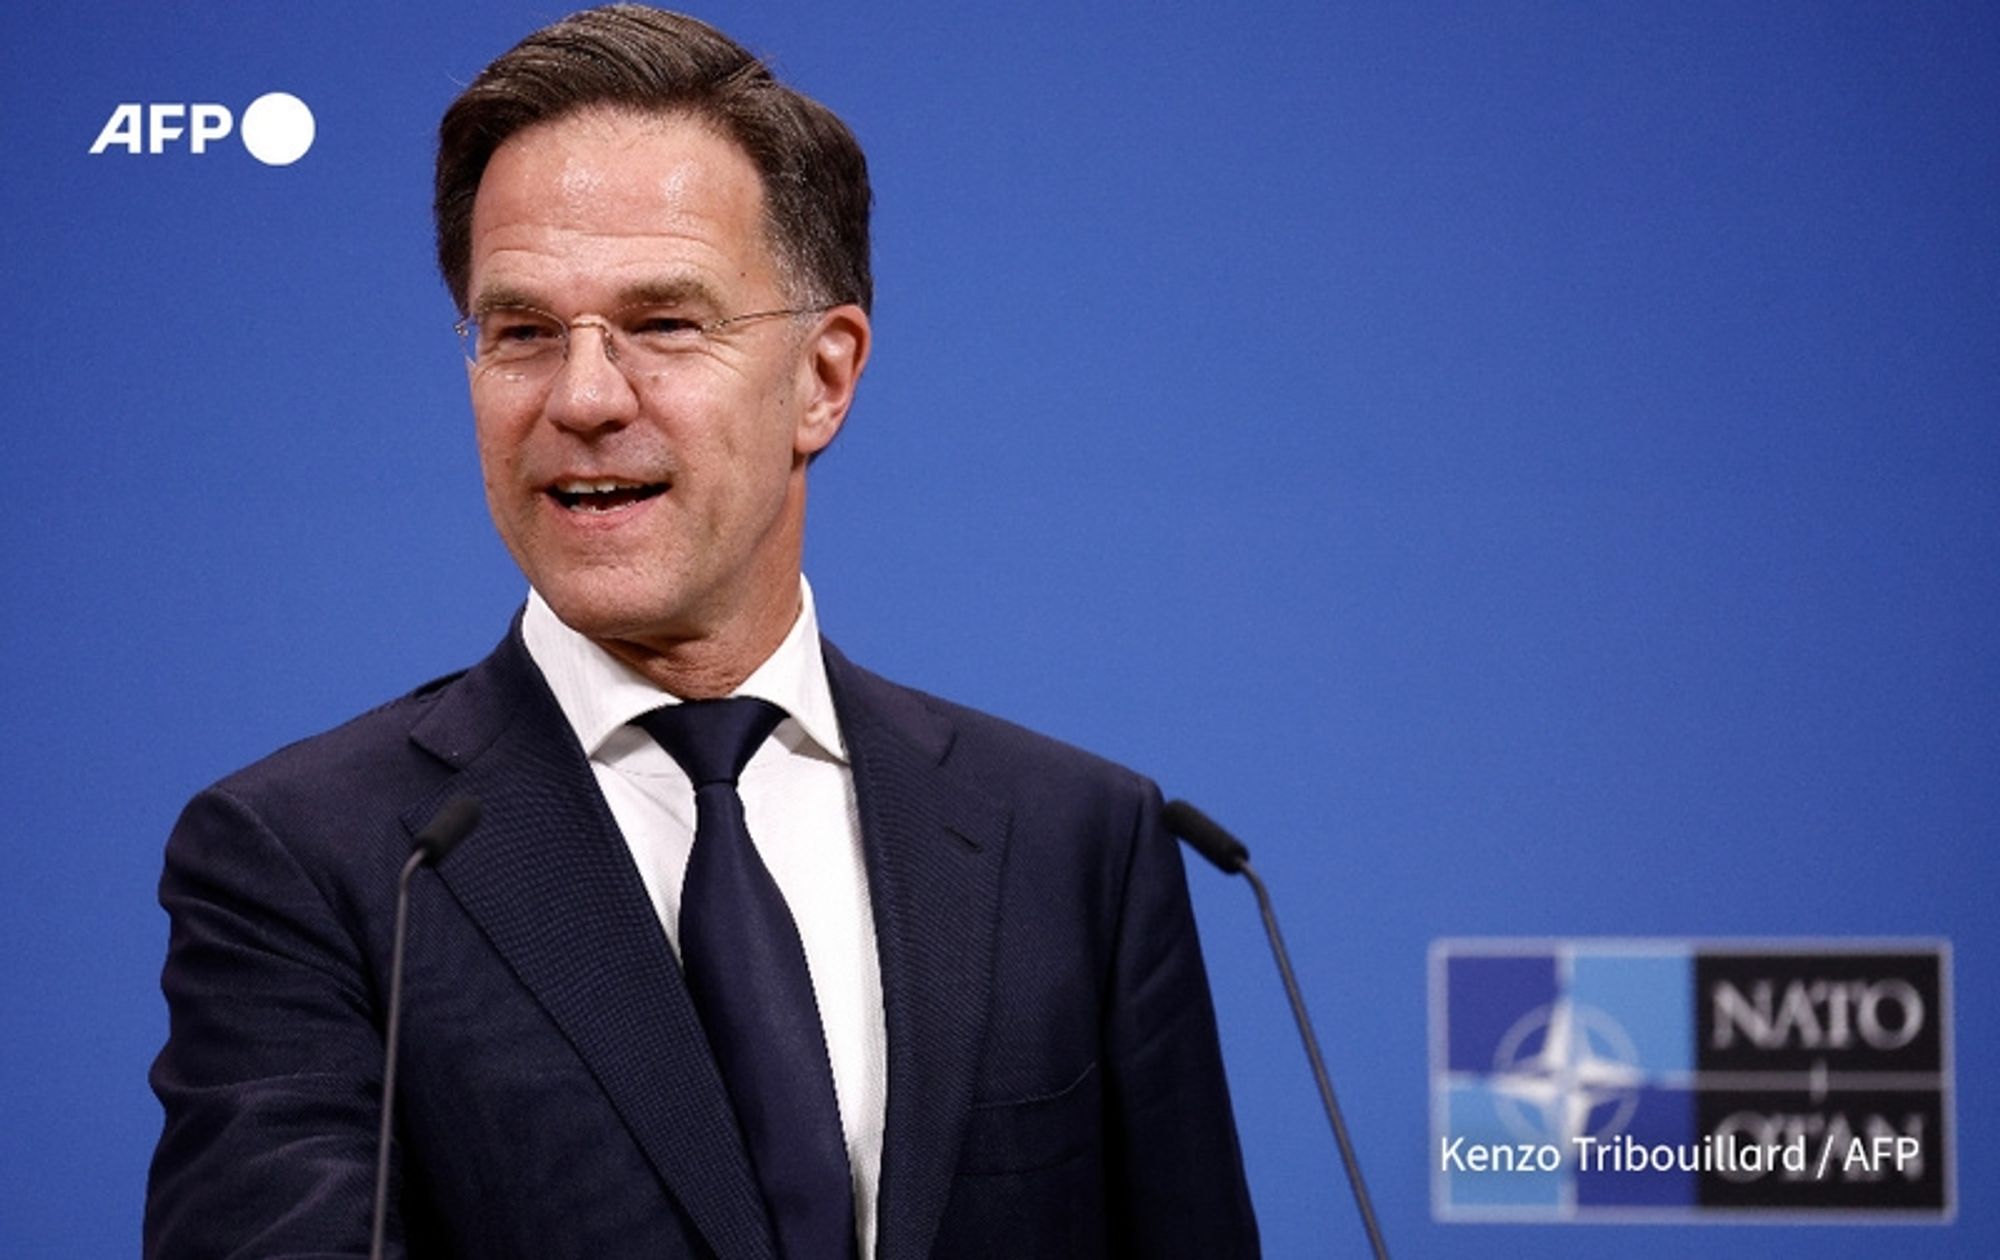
1529, 468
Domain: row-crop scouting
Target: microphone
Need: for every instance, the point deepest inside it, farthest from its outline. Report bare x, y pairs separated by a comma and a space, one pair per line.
451, 824
1207, 837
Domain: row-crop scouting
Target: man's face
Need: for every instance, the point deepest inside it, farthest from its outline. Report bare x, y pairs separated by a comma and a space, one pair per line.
655, 513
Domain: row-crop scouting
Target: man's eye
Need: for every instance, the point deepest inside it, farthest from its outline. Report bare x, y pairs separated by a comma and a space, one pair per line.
502, 335
658, 327
522, 331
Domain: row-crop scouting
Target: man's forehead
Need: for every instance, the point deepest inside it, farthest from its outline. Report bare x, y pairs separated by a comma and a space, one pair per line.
651, 146
592, 187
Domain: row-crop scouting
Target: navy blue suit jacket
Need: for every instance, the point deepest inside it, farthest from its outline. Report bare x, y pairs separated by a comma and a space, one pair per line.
1054, 1082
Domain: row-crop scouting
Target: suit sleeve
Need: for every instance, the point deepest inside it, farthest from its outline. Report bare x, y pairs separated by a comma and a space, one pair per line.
1177, 1185
270, 1077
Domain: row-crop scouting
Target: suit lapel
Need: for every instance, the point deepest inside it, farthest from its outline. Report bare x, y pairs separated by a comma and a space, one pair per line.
935, 843
549, 880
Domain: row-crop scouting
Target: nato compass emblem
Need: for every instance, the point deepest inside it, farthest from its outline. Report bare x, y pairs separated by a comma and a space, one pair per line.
1565, 1071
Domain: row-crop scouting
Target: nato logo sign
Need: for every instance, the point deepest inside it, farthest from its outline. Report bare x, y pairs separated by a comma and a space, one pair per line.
1600, 1081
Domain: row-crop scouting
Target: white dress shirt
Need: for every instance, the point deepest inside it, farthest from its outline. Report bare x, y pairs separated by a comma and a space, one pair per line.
798, 799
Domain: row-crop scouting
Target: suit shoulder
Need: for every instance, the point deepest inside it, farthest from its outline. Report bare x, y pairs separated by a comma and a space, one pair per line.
1005, 753
371, 751
1039, 753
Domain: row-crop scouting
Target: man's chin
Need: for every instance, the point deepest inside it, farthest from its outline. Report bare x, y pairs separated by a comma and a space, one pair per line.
608, 616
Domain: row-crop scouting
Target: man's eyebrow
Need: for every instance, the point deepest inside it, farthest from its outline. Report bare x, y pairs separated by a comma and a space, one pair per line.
658, 291
669, 291
500, 297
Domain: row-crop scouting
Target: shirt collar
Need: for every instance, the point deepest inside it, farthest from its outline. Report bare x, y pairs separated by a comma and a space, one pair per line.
600, 694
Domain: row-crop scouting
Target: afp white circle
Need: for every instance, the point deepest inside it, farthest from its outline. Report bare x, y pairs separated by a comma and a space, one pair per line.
277, 128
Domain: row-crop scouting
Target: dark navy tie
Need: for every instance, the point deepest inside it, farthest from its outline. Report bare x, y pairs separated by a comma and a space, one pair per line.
746, 971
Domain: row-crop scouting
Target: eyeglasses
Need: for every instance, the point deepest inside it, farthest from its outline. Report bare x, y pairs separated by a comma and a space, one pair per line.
522, 344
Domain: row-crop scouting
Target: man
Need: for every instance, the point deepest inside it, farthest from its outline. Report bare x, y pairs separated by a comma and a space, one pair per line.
1001, 1042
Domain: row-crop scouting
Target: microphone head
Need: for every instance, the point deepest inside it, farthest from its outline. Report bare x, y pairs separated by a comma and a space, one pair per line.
451, 824
1206, 836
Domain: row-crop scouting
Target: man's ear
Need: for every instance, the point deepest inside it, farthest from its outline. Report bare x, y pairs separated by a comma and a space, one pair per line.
829, 370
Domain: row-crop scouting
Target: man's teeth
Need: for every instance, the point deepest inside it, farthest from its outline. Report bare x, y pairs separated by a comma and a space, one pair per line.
602, 495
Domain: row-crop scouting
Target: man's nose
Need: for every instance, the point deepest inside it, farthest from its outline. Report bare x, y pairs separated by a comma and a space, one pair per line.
590, 391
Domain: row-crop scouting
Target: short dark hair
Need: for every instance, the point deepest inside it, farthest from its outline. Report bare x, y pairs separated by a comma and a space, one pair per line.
628, 56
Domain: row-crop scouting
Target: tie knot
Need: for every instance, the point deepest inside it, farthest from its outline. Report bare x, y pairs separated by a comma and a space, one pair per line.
712, 739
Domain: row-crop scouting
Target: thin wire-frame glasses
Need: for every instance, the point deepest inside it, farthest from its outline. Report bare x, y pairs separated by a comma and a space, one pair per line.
522, 344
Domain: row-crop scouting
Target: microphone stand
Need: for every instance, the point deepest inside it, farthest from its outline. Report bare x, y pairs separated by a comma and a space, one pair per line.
1208, 838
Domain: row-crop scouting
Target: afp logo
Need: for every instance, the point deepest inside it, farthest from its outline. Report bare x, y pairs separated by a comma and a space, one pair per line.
277, 128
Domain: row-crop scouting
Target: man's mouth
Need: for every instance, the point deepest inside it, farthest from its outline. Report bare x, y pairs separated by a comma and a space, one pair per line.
603, 495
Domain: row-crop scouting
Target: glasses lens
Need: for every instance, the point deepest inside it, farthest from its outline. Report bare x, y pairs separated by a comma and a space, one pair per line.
514, 335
